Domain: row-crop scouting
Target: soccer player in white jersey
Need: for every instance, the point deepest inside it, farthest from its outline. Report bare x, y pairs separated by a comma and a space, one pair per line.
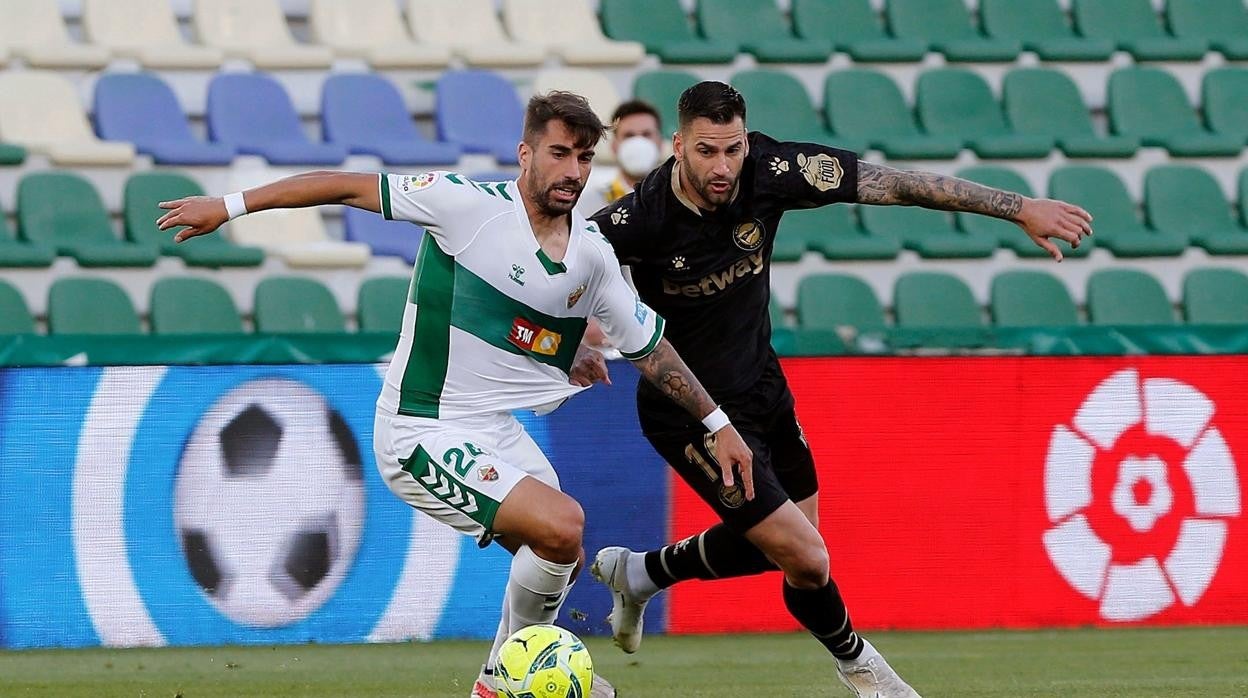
506, 280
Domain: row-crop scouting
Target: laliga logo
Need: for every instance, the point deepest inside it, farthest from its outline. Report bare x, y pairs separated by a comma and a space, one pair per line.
1138, 489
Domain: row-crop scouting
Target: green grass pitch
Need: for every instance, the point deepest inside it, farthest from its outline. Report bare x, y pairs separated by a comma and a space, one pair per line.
1102, 663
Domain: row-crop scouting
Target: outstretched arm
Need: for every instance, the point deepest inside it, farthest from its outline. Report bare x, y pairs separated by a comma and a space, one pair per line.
1041, 219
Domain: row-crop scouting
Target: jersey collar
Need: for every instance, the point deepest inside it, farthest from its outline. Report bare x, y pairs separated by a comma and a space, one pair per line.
575, 225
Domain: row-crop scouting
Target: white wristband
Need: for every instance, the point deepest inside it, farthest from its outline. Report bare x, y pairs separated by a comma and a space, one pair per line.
234, 205
716, 420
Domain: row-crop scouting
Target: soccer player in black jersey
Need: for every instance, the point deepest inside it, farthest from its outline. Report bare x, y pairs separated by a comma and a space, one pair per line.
698, 234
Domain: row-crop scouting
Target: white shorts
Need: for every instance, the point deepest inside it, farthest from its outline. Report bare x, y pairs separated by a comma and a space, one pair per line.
458, 471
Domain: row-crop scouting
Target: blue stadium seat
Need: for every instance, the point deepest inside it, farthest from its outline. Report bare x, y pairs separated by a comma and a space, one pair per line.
386, 238
480, 111
365, 113
141, 109
252, 112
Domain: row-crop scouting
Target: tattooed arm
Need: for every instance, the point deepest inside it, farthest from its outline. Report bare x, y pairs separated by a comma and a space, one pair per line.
1041, 219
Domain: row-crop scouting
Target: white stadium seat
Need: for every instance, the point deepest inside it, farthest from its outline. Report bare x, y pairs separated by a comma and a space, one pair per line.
40, 111
255, 30
298, 237
568, 28
472, 29
147, 31
373, 30
34, 30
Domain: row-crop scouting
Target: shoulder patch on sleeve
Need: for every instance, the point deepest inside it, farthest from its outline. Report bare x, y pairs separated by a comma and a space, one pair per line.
417, 182
821, 171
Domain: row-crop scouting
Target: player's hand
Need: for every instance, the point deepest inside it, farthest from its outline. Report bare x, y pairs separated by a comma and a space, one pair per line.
730, 450
200, 214
1045, 219
588, 367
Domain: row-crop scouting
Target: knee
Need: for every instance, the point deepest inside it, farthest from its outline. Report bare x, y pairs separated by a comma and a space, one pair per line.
809, 569
564, 532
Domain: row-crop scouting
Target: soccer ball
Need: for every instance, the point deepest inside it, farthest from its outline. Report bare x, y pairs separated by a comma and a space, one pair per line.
269, 502
544, 661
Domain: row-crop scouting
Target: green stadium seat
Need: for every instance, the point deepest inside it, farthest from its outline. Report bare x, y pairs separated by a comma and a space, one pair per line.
928, 232
1031, 299
776, 312
1127, 297
192, 306
144, 191
1134, 26
18, 253
759, 28
1150, 104
1046, 102
930, 299
1224, 96
79, 305
63, 211
1223, 23
1215, 297
1007, 234
380, 304
780, 107
853, 26
296, 305
834, 231
12, 154
1188, 200
664, 29
868, 105
662, 88
1243, 197
831, 301
1041, 27
958, 102
14, 314
1116, 224
946, 25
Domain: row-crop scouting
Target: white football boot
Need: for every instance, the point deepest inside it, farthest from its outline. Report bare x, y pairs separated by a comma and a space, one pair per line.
484, 687
869, 676
628, 608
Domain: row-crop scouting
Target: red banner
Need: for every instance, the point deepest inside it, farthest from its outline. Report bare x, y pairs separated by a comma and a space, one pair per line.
1012, 492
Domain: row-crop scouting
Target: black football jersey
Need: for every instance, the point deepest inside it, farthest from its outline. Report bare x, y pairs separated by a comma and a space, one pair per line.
708, 272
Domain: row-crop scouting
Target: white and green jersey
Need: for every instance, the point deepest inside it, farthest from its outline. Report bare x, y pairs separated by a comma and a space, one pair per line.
492, 323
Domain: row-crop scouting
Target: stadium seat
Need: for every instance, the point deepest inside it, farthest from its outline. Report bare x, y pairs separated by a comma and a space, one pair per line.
1046, 102
481, 112
35, 31
1215, 297
1007, 234
472, 29
946, 26
866, 105
365, 113
831, 301
14, 314
578, 39
294, 305
1149, 103
372, 30
62, 210
1115, 222
1041, 26
12, 154
661, 89
1134, 26
930, 233
140, 209
1187, 200
853, 27
298, 237
380, 304
1224, 97
957, 102
1127, 297
253, 113
1223, 23
780, 107
192, 306
664, 29
140, 108
835, 231
256, 31
591, 84
83, 305
758, 27
1243, 197
20, 253
385, 238
930, 299
145, 30
1031, 299
40, 111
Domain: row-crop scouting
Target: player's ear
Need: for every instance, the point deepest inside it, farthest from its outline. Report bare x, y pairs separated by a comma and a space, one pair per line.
523, 154
678, 147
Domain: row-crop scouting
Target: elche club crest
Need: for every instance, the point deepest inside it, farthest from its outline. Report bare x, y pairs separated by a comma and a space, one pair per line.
1139, 488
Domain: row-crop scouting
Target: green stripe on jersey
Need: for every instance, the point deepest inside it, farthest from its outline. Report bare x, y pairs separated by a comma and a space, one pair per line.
654, 341
384, 183
551, 266
490, 315
442, 484
432, 290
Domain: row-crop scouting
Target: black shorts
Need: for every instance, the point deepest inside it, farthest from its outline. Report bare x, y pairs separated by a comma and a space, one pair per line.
784, 468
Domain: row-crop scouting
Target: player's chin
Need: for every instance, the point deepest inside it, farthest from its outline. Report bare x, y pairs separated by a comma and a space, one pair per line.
560, 204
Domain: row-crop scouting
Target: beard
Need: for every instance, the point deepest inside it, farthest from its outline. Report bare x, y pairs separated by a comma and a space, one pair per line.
703, 186
549, 203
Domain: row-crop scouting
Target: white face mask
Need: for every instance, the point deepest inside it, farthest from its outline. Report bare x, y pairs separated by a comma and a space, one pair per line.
637, 155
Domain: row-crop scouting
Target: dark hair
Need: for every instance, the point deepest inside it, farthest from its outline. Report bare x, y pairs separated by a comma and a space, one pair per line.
717, 101
570, 108
632, 107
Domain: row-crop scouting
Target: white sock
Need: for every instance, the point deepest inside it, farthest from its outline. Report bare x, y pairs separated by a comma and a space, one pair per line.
639, 581
504, 627
868, 651
536, 589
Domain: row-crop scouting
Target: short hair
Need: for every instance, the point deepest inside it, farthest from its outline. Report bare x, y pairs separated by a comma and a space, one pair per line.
570, 108
717, 101
633, 107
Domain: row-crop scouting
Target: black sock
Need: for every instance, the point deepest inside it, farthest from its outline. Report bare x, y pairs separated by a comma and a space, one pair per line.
716, 553
823, 613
